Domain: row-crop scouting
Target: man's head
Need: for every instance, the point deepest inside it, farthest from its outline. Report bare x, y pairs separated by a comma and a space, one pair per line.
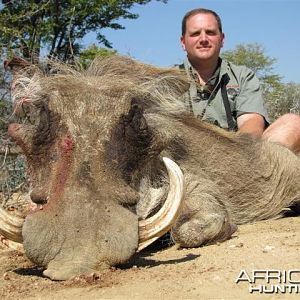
202, 36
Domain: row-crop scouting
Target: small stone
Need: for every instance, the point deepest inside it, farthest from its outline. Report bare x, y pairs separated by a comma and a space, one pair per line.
239, 245
268, 249
217, 278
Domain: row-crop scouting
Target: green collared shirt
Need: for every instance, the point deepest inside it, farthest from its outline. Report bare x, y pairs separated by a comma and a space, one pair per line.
243, 91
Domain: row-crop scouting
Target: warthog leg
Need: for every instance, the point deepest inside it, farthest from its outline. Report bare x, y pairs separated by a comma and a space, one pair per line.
204, 220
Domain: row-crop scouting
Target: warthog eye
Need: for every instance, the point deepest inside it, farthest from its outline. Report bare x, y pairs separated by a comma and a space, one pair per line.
45, 122
31, 115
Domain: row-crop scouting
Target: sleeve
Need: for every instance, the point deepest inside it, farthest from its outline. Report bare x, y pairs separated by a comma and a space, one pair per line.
250, 97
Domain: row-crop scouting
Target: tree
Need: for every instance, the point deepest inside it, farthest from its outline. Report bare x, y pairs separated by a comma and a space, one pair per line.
86, 56
5, 103
30, 26
287, 100
253, 56
12, 168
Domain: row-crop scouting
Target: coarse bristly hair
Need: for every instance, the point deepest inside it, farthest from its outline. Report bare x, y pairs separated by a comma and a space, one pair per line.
110, 84
71, 92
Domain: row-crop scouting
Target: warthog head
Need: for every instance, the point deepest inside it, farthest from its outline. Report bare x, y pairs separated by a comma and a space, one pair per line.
88, 146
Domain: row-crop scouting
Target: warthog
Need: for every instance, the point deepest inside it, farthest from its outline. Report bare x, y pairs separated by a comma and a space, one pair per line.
95, 141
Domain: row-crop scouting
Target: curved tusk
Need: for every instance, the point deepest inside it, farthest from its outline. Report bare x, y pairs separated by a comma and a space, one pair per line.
154, 227
11, 244
11, 225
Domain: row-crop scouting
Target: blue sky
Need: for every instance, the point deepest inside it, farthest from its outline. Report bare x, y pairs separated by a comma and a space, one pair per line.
154, 36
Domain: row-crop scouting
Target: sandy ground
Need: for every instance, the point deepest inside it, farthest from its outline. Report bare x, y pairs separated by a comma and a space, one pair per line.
169, 273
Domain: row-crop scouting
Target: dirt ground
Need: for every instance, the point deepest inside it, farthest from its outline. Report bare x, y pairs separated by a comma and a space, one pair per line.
169, 273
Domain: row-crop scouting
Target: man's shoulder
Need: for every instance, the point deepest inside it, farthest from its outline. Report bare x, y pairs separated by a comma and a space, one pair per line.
237, 70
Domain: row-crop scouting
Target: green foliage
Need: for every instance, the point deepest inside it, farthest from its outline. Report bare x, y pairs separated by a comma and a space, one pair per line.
5, 111
280, 98
86, 56
5, 103
253, 56
37, 28
30, 26
285, 100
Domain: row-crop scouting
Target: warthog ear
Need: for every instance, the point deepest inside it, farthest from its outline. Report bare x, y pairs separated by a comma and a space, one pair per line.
16, 64
130, 140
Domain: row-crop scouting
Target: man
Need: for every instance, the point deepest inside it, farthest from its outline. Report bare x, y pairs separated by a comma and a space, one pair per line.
225, 94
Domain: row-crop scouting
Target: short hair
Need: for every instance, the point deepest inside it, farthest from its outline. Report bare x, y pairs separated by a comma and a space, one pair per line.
197, 11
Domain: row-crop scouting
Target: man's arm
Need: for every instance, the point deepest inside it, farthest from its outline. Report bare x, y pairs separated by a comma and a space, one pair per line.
251, 123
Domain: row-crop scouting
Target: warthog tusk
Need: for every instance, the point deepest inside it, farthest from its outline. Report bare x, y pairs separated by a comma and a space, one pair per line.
154, 227
11, 225
11, 244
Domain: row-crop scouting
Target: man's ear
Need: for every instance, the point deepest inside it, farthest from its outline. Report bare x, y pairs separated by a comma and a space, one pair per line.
223, 39
130, 140
182, 41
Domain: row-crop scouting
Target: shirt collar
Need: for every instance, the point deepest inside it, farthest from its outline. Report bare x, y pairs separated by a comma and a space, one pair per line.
215, 78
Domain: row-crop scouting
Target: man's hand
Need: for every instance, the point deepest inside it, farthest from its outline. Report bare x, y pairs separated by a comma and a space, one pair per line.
251, 123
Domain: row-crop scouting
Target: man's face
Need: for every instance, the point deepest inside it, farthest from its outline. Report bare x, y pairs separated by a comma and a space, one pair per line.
202, 40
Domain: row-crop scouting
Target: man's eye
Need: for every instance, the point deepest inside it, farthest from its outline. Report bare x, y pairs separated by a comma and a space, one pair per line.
211, 32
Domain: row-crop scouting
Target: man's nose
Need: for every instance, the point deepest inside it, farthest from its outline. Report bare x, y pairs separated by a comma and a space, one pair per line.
203, 36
